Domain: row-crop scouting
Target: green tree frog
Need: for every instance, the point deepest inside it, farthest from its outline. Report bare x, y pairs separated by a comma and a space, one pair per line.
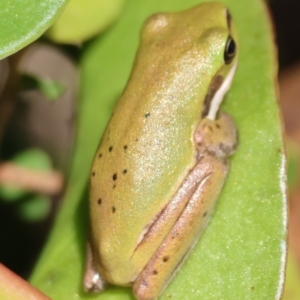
163, 159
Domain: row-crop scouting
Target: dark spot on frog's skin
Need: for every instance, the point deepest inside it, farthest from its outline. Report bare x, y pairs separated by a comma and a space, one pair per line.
125, 171
147, 115
93, 173
100, 155
114, 177
110, 148
210, 128
204, 215
114, 186
125, 147
165, 258
154, 272
136, 140
252, 287
218, 126
113, 209
99, 201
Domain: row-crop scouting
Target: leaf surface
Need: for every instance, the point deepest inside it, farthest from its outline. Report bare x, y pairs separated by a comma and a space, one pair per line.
242, 253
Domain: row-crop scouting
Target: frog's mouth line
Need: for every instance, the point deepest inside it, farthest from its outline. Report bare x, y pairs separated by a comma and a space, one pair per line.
217, 91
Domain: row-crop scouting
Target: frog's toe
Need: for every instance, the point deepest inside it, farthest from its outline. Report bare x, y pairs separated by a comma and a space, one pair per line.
93, 282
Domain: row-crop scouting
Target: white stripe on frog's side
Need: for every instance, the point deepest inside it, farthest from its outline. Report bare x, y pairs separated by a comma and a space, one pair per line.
220, 93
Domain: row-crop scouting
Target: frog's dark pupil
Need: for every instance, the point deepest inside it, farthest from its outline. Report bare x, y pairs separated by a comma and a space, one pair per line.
229, 50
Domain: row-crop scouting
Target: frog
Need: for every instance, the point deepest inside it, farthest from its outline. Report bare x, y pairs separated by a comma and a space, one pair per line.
164, 156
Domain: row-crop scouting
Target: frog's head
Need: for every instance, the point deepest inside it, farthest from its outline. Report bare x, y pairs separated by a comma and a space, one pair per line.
199, 46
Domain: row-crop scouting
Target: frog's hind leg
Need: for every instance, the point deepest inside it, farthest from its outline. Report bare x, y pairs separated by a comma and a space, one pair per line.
92, 279
184, 234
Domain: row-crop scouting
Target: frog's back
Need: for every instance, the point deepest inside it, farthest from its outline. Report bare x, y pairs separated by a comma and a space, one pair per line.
148, 147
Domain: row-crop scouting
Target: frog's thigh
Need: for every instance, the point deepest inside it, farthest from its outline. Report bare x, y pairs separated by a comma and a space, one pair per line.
184, 234
92, 280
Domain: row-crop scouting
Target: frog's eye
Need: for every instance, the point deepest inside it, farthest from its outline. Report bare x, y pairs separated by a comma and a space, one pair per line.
230, 50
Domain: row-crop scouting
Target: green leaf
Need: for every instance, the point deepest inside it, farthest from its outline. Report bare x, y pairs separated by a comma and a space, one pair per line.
242, 253
22, 22
49, 88
32, 159
35, 208
82, 20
